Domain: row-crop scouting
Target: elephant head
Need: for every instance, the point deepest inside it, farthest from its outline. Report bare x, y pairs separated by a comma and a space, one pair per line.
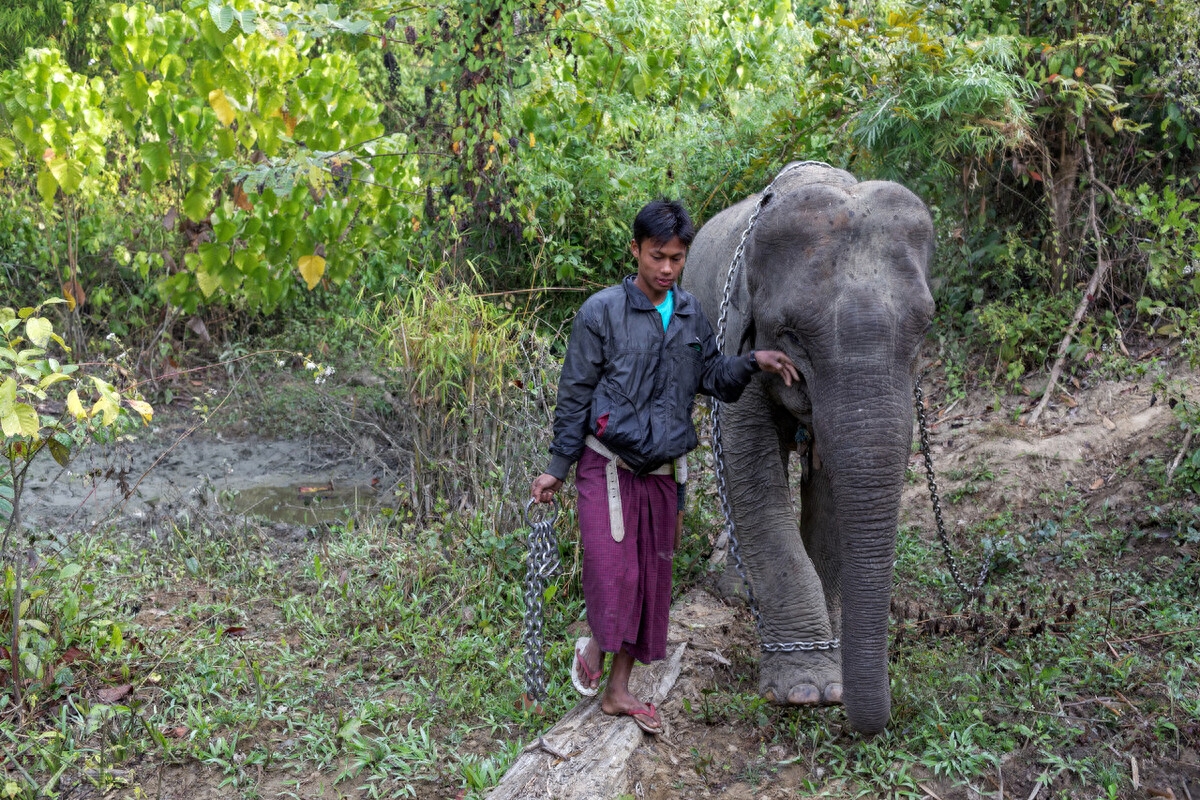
836, 275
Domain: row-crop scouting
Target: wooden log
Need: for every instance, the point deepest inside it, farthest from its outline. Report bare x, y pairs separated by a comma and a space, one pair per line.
585, 756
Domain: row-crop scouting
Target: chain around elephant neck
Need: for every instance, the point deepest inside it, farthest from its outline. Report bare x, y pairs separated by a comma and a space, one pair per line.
719, 453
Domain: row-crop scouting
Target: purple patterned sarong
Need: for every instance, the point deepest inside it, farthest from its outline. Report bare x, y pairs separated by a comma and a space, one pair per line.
627, 584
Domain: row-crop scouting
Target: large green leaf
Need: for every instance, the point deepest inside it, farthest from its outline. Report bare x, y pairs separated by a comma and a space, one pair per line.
248, 19
20, 420
47, 186
195, 204
222, 15
8, 152
68, 172
156, 156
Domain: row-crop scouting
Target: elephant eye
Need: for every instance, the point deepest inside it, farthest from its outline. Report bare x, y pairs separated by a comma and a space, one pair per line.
797, 344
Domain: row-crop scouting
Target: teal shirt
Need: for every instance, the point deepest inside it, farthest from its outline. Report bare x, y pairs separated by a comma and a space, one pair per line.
665, 308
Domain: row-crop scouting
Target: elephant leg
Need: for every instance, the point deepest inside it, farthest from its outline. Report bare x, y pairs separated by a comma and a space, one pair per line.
782, 577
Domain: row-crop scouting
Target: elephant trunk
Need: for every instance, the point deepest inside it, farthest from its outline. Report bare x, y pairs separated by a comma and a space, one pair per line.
864, 436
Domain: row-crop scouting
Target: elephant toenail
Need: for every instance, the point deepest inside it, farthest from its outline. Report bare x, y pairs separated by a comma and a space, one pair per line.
804, 695
769, 695
833, 694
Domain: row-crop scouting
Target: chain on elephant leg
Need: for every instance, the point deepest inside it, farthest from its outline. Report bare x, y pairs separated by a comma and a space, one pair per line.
801, 678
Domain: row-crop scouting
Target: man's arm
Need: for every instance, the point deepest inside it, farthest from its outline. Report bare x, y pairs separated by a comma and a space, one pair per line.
580, 374
725, 377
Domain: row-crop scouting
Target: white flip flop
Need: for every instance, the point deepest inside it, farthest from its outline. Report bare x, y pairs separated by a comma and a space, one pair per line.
578, 665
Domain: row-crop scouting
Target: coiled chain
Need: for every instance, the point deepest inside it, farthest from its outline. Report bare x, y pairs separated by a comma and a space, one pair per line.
541, 564
719, 453
968, 593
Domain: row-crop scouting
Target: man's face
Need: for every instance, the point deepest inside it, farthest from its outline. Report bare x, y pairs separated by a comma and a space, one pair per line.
659, 266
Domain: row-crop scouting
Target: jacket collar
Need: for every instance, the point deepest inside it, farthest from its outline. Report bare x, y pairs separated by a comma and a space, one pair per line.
638, 300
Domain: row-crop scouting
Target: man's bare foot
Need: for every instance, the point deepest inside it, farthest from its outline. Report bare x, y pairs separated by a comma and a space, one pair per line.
615, 702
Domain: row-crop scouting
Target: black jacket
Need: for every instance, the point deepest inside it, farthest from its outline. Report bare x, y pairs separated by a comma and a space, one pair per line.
632, 385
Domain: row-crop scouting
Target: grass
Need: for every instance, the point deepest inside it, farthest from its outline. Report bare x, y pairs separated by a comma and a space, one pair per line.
1082, 655
381, 658
385, 661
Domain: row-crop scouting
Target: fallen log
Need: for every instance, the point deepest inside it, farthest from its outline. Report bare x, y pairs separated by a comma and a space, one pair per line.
585, 756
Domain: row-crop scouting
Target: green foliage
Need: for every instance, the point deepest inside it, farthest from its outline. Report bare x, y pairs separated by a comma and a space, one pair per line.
1165, 229
56, 118
615, 116
919, 96
1024, 329
464, 371
74, 26
29, 375
29, 372
263, 160
265, 148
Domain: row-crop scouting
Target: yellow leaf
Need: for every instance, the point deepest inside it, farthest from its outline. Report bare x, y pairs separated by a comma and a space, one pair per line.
52, 378
312, 268
107, 408
74, 407
38, 329
21, 420
532, 141
220, 104
143, 408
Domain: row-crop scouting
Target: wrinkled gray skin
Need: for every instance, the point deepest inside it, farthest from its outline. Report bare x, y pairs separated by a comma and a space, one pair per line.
836, 276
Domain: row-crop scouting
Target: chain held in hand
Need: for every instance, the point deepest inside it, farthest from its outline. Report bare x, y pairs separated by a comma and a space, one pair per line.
541, 564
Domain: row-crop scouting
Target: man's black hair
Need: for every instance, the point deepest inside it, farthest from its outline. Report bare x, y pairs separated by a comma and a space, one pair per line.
663, 220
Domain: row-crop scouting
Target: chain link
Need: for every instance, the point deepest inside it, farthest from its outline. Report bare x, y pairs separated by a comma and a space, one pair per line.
718, 450
919, 400
541, 564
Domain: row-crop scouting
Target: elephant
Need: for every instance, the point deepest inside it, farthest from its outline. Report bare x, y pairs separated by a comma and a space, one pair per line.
836, 275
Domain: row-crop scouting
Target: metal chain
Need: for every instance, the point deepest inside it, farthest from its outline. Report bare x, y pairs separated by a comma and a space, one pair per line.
541, 564
718, 451
919, 400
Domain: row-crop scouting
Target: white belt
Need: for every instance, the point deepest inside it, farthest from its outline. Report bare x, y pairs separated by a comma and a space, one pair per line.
616, 519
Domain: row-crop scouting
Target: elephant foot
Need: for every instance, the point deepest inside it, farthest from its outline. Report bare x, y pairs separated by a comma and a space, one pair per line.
812, 678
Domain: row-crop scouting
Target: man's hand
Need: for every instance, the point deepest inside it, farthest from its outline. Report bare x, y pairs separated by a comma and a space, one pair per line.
777, 362
544, 487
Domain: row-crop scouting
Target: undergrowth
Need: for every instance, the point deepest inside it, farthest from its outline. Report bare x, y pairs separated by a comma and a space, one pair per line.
381, 658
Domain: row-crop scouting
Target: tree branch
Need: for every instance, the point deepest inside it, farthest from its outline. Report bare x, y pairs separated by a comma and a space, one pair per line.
1085, 302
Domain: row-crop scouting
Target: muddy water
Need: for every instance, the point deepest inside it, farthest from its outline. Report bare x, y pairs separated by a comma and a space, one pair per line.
289, 480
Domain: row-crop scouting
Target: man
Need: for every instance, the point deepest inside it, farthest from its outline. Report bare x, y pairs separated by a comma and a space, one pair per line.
639, 353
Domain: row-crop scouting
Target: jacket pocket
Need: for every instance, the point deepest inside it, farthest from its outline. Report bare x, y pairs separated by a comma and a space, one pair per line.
619, 424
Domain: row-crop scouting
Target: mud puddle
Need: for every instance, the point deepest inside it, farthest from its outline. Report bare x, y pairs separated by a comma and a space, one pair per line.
161, 472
